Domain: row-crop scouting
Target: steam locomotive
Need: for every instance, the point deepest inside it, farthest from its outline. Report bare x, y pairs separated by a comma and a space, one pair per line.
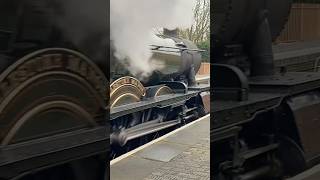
265, 124
141, 110
53, 93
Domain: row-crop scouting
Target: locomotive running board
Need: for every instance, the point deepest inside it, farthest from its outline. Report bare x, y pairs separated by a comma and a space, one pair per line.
160, 102
47, 152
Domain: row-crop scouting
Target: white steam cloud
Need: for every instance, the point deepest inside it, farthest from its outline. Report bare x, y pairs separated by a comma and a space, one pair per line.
132, 23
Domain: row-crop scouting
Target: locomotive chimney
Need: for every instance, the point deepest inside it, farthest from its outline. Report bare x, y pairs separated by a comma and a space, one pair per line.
171, 33
261, 53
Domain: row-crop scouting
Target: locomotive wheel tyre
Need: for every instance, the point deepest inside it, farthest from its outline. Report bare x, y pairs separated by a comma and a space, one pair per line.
125, 97
50, 91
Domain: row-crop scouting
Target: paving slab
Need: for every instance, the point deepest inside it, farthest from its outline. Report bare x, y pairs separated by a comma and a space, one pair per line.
181, 155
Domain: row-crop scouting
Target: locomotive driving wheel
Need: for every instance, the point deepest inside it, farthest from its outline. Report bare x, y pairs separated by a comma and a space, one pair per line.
163, 90
126, 90
48, 92
151, 114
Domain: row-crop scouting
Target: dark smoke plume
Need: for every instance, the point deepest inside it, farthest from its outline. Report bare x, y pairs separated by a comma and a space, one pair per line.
85, 23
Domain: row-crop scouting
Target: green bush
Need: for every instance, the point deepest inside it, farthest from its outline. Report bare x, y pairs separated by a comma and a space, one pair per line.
205, 45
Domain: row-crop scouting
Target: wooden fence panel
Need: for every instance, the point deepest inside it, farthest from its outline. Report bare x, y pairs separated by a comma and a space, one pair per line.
303, 23
204, 69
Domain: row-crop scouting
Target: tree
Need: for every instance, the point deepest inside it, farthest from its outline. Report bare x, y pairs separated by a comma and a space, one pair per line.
205, 45
200, 30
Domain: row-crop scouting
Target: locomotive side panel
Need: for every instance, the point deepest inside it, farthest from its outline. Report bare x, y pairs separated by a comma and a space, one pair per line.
264, 121
52, 85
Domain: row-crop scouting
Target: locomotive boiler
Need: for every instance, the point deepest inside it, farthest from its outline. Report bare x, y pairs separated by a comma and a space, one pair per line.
172, 58
170, 97
53, 91
265, 124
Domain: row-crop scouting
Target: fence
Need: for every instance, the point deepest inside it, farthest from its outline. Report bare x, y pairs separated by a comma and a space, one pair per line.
204, 69
303, 23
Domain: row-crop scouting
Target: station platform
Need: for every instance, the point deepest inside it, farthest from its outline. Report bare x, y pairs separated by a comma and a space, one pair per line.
311, 174
182, 154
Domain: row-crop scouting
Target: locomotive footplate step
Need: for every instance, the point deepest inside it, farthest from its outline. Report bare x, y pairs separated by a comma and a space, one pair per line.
311, 174
181, 154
